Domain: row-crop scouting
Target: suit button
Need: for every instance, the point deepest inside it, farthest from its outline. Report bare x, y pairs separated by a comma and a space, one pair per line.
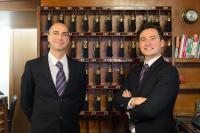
60, 99
60, 117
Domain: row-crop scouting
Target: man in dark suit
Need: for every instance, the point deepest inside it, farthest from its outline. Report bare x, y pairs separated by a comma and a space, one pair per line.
151, 89
53, 87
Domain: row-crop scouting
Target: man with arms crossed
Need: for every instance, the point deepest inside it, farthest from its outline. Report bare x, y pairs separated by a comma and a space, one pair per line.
151, 89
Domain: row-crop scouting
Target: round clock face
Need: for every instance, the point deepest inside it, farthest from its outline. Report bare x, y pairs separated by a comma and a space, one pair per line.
190, 16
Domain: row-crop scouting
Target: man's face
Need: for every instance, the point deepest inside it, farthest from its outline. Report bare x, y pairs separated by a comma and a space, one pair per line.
150, 43
58, 37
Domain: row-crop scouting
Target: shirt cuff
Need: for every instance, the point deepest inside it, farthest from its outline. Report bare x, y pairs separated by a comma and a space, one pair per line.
130, 107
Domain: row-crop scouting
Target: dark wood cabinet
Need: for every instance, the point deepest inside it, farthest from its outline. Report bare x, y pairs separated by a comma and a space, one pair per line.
99, 115
3, 115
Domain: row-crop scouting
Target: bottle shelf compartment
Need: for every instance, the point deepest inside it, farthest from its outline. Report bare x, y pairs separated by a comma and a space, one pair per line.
99, 113
114, 60
132, 34
104, 87
165, 8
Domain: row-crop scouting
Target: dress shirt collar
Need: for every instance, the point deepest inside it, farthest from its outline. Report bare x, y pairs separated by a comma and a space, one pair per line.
54, 60
151, 61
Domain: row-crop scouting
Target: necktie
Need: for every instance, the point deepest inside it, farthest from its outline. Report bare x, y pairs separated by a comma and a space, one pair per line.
60, 79
144, 69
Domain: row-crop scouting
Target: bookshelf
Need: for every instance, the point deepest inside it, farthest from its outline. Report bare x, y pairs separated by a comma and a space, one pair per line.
192, 86
187, 61
188, 65
190, 60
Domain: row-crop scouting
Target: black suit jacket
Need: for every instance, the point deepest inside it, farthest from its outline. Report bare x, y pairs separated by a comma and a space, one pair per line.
47, 112
159, 85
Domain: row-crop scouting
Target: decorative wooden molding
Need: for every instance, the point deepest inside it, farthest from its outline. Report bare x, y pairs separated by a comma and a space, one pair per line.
18, 6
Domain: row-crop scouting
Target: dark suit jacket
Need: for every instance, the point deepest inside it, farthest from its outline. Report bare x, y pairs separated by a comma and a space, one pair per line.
47, 112
160, 86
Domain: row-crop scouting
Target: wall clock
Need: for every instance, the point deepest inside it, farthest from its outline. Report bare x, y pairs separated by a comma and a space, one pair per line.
190, 16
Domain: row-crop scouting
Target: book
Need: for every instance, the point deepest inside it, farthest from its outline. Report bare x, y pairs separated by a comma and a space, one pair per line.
194, 46
181, 46
177, 46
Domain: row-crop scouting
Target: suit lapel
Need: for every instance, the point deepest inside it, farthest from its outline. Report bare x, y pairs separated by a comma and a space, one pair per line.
70, 67
46, 70
149, 73
136, 81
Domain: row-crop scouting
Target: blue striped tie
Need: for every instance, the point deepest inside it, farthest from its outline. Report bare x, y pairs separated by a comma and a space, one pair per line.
144, 69
60, 79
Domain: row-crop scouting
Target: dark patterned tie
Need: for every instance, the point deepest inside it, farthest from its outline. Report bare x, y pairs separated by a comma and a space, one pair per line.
144, 69
60, 79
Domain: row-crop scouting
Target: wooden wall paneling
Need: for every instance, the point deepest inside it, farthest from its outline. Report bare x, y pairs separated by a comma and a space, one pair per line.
84, 125
18, 19
179, 26
185, 103
3, 115
18, 14
39, 26
190, 89
94, 125
23, 50
120, 124
190, 72
17, 6
106, 126
178, 6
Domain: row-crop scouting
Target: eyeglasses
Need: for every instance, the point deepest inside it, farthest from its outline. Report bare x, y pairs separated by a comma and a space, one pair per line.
63, 34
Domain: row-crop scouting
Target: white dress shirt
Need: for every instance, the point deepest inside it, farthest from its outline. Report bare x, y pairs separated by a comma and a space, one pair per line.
54, 69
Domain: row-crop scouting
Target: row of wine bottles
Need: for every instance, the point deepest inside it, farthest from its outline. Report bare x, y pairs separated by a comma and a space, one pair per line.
108, 23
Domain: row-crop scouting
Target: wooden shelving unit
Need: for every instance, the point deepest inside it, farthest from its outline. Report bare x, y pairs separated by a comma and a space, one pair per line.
190, 60
104, 90
193, 86
3, 114
100, 113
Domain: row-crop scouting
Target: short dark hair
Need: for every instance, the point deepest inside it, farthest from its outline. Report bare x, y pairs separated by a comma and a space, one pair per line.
149, 25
